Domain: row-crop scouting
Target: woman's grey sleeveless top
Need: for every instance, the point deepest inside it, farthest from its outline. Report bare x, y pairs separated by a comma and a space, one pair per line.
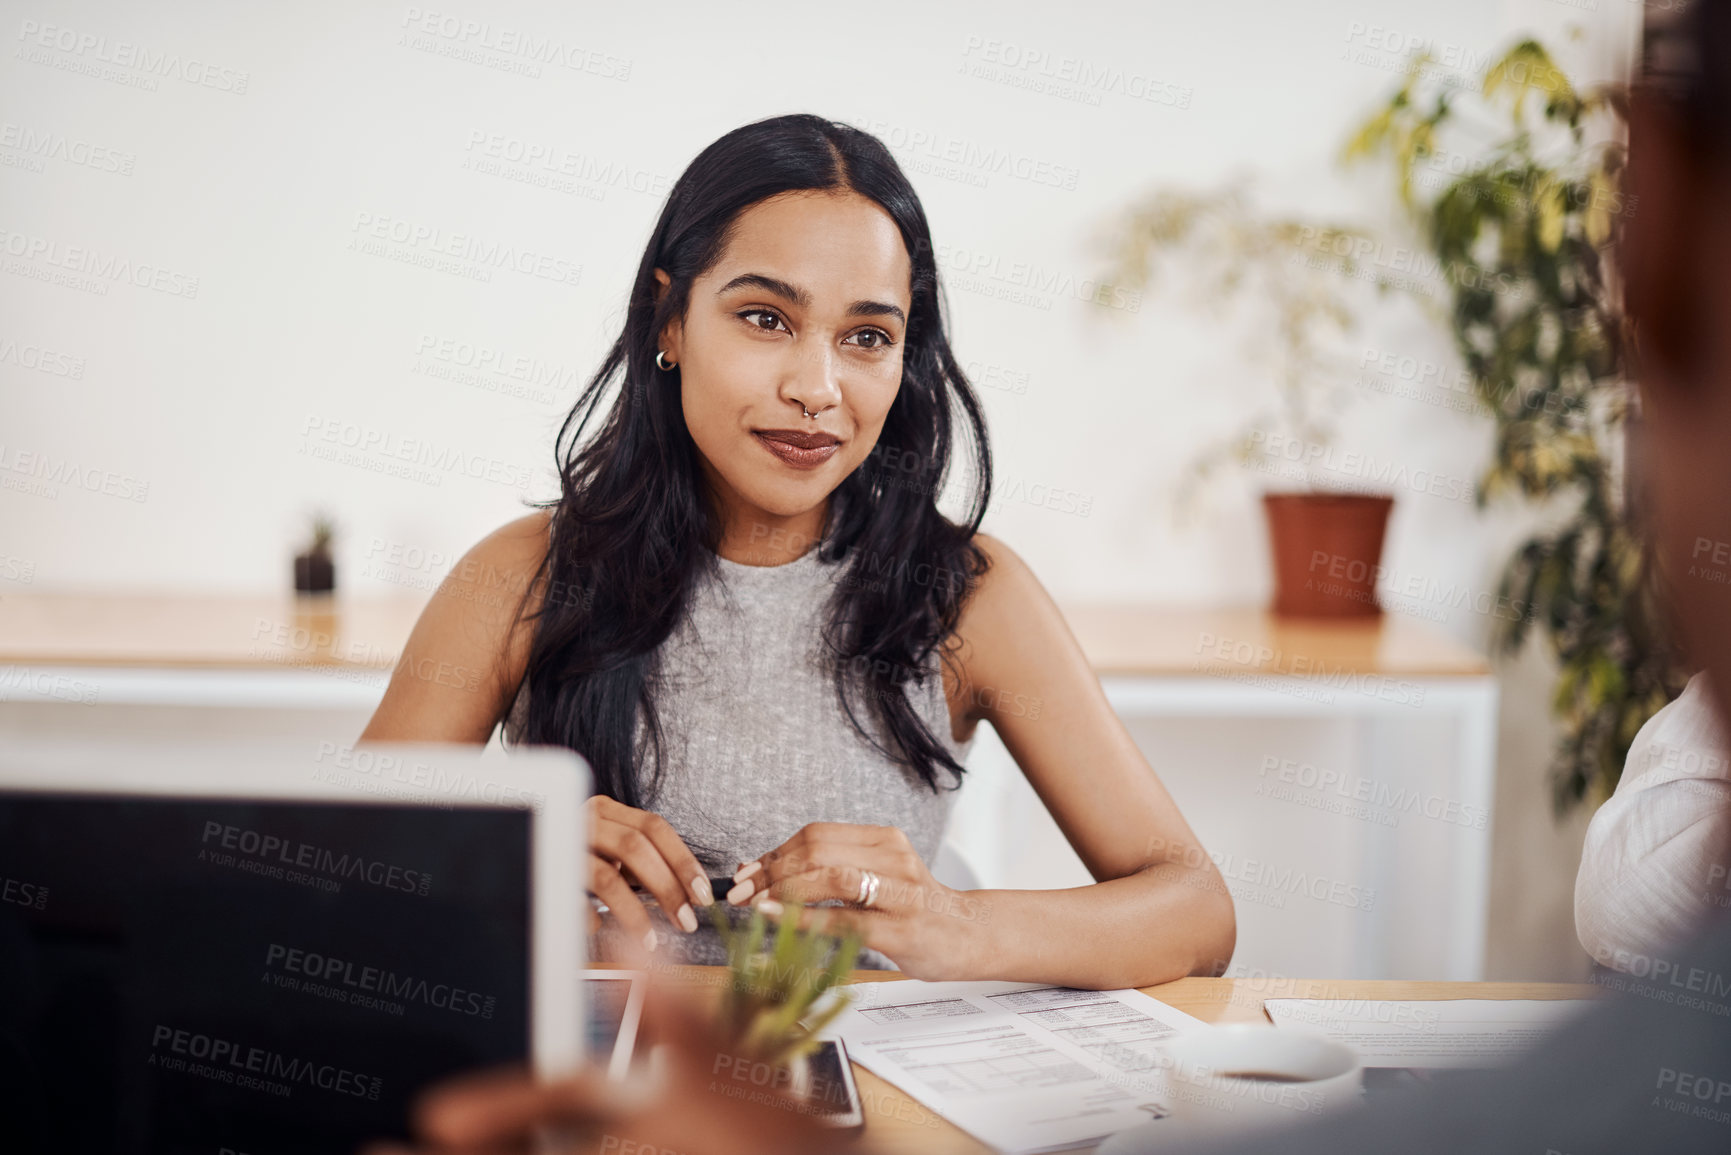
755, 743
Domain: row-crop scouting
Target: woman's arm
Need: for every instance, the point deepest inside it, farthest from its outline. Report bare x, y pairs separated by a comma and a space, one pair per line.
457, 677
462, 663
1160, 909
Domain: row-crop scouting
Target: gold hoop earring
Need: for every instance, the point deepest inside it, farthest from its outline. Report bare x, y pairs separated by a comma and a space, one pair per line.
661, 363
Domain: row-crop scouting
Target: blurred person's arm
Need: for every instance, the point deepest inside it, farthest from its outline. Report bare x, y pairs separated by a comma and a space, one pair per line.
688, 1100
1655, 851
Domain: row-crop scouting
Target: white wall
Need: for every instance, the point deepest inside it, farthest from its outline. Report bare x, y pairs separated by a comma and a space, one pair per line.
192, 411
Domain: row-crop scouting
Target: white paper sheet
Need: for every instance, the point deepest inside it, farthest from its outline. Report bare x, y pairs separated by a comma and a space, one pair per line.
1022, 1067
1444, 1033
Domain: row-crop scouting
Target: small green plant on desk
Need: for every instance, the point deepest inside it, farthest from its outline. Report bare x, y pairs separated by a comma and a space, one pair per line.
776, 983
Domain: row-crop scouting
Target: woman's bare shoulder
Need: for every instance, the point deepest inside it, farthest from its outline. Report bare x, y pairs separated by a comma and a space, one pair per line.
1008, 587
467, 653
497, 577
1004, 596
519, 544
1009, 613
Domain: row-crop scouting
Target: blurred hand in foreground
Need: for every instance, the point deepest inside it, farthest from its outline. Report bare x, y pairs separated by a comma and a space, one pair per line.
689, 1100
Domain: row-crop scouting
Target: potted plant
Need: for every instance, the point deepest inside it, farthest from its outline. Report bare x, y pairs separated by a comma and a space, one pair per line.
1525, 237
315, 570
1308, 277
770, 1008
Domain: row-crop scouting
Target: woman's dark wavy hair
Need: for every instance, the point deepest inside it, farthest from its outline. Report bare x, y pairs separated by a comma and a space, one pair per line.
634, 526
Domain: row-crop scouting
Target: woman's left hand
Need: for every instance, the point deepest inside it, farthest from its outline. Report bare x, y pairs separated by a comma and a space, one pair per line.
928, 930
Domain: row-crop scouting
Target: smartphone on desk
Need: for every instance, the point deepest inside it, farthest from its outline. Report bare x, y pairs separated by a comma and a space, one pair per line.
834, 1100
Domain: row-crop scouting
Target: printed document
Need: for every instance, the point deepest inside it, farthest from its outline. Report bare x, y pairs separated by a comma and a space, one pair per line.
1022, 1067
1441, 1034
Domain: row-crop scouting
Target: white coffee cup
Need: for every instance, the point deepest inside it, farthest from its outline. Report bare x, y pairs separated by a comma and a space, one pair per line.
1244, 1076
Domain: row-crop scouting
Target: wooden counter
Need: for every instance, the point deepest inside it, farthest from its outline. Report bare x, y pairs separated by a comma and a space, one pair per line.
230, 631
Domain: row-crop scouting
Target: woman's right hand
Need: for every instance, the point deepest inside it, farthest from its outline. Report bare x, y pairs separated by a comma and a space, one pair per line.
628, 845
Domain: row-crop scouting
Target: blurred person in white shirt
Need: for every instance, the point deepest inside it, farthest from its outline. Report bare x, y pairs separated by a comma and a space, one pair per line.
1653, 863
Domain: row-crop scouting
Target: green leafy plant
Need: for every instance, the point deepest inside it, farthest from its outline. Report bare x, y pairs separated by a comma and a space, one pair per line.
324, 531
776, 985
1307, 276
1522, 219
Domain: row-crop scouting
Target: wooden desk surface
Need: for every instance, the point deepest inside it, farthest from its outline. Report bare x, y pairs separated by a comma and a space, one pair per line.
221, 631
264, 632
896, 1122
1171, 641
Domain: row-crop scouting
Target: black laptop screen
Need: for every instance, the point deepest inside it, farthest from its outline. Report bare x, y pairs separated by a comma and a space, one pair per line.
254, 977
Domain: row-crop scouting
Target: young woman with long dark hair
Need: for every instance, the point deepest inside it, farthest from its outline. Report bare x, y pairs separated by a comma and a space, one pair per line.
747, 612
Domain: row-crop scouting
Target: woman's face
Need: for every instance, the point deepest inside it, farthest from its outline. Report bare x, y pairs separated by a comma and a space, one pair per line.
806, 310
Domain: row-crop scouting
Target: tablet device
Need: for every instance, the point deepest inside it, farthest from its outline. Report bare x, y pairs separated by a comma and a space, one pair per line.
275, 947
614, 1003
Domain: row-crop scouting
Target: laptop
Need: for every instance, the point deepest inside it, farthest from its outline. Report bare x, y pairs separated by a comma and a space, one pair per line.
274, 947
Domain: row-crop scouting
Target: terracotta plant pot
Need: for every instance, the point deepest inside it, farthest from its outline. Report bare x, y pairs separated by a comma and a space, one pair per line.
315, 573
1327, 552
